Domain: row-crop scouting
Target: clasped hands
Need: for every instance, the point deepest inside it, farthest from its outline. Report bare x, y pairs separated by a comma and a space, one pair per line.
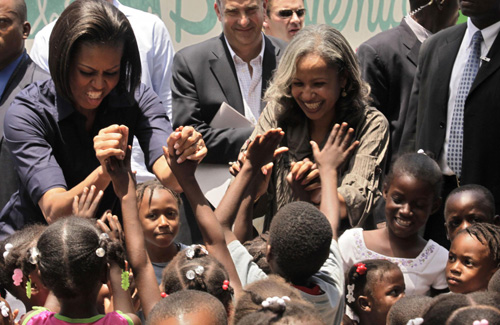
112, 141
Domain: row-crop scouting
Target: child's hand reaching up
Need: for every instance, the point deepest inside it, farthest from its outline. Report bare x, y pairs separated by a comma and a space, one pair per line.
336, 151
262, 150
182, 169
120, 171
338, 148
86, 205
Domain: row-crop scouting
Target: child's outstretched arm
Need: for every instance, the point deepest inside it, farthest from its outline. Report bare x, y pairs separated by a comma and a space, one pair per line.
124, 185
210, 228
337, 149
240, 194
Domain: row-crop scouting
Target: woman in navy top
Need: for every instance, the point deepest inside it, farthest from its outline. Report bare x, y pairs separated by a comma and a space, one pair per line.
61, 131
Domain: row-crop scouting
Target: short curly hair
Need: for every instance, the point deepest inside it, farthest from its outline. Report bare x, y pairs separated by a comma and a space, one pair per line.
186, 302
300, 237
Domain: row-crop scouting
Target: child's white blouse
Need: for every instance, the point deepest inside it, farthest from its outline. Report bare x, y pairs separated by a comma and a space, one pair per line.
421, 273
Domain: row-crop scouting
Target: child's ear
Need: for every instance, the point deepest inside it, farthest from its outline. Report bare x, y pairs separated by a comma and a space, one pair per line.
435, 205
496, 220
364, 304
385, 189
105, 274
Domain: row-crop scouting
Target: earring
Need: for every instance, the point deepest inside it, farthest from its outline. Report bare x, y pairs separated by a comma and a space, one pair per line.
343, 93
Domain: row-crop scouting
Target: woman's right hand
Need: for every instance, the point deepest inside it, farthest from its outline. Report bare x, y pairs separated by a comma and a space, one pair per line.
111, 142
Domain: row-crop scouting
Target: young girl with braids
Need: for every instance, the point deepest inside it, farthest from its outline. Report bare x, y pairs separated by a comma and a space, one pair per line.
373, 286
473, 258
16, 270
412, 191
202, 273
72, 256
272, 300
158, 208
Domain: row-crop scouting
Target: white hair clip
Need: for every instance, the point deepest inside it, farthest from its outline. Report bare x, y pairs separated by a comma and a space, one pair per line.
190, 251
103, 236
100, 252
34, 255
275, 300
350, 293
8, 247
415, 321
421, 151
4, 309
191, 274
481, 322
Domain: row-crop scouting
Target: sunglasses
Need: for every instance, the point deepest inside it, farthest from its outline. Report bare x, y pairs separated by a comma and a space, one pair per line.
287, 13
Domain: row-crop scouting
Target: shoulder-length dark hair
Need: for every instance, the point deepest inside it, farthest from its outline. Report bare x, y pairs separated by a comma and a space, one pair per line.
332, 46
94, 22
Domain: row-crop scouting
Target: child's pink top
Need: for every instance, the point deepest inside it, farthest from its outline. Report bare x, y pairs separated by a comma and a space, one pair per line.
43, 316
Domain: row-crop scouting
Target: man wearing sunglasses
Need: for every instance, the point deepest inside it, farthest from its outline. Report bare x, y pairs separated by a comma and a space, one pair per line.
284, 18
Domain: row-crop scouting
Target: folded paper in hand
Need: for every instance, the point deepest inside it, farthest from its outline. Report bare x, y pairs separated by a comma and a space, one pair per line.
214, 179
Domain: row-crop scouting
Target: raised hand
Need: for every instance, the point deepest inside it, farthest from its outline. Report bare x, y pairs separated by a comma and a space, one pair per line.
120, 171
86, 205
111, 142
262, 150
182, 169
337, 149
187, 143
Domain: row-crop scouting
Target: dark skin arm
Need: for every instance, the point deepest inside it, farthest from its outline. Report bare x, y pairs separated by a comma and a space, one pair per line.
211, 230
124, 185
338, 148
259, 156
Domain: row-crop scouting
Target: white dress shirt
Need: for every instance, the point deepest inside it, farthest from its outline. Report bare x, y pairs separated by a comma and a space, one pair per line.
250, 83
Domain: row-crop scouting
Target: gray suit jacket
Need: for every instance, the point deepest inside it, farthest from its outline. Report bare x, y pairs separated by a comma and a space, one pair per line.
203, 77
426, 121
388, 63
25, 73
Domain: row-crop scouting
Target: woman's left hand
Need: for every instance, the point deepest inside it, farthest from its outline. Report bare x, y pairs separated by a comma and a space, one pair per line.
188, 144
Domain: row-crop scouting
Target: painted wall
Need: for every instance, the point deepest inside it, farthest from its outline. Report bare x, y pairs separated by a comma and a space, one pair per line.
191, 21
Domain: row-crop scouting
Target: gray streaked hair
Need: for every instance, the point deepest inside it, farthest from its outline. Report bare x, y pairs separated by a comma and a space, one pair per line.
332, 46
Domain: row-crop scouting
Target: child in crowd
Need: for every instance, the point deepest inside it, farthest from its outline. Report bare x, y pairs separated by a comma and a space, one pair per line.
474, 315
16, 271
442, 306
158, 208
188, 307
412, 193
195, 269
302, 245
373, 286
124, 186
408, 308
272, 300
467, 205
474, 257
72, 256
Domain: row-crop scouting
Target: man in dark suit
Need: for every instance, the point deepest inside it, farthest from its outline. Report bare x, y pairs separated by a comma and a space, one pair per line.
437, 97
389, 59
234, 67
16, 72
